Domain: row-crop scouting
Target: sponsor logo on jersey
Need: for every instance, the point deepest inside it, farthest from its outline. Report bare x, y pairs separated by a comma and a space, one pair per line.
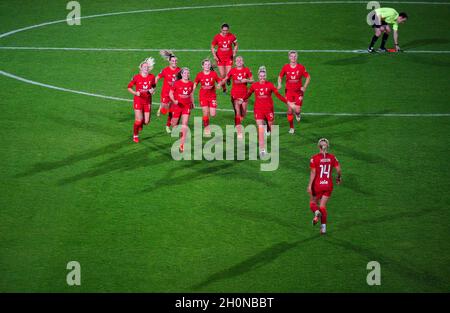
324, 182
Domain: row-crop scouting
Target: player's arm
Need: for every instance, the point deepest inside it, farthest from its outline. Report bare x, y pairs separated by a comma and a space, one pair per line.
171, 96
339, 174
280, 78
249, 93
192, 98
130, 88
307, 81
312, 175
235, 49
213, 51
397, 47
279, 96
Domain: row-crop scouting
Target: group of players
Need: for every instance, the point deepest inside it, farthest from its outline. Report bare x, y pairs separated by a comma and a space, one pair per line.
177, 101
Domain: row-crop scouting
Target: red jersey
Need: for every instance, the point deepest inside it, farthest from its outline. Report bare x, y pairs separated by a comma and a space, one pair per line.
224, 44
170, 76
324, 167
263, 95
143, 84
182, 92
239, 89
293, 76
207, 84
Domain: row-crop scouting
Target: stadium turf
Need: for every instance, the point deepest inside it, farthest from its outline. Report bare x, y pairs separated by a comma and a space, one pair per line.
75, 187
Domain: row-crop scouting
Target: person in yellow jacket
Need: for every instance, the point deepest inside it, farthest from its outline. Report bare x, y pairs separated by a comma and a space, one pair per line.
383, 18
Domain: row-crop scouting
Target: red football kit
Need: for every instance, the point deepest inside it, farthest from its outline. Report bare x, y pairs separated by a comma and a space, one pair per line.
170, 76
239, 89
263, 107
323, 182
224, 48
182, 93
143, 85
207, 94
294, 82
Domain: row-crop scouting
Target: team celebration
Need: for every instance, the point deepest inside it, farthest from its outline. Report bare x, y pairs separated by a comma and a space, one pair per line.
201, 147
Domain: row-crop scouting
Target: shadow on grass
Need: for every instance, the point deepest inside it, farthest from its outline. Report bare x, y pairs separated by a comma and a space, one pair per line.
358, 59
74, 158
424, 42
258, 260
409, 272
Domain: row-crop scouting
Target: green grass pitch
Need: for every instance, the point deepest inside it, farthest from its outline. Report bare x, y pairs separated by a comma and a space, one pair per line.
75, 187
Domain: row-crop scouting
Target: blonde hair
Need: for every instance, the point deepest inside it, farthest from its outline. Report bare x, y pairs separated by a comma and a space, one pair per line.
322, 147
150, 62
262, 68
292, 51
167, 54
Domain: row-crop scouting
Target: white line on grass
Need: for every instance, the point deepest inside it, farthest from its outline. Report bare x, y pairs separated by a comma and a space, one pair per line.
206, 50
32, 82
215, 6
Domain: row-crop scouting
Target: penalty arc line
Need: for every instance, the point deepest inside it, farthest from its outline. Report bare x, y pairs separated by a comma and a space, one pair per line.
212, 7
32, 82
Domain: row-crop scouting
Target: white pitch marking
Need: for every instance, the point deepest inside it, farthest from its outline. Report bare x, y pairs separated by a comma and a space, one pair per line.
212, 7
32, 82
207, 50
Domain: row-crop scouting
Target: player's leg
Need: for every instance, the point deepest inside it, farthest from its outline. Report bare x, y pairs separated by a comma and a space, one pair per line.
244, 107
205, 118
290, 114
227, 70
261, 127
298, 107
184, 127
138, 120
314, 207
238, 118
377, 30
212, 107
222, 74
323, 213
387, 31
147, 113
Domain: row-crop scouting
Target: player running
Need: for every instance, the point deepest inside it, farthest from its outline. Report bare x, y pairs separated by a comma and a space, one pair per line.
169, 75
207, 80
144, 84
182, 96
320, 184
225, 51
294, 89
263, 107
240, 77
382, 18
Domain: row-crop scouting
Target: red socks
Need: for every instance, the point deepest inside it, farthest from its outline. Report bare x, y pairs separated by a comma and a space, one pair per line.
290, 118
169, 119
205, 121
137, 127
323, 212
313, 206
237, 120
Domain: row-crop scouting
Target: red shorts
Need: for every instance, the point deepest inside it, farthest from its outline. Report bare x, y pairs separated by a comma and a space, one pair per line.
208, 102
225, 60
264, 115
142, 105
319, 194
178, 110
165, 99
294, 96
